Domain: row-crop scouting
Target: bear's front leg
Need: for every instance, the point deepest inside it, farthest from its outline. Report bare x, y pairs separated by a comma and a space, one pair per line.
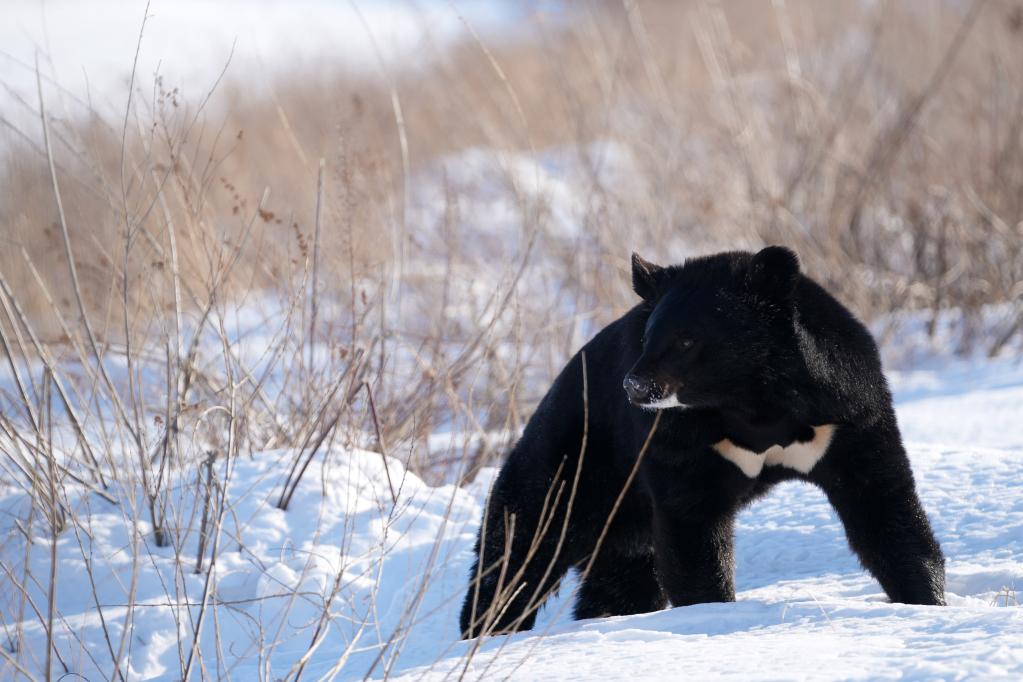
694, 552
867, 478
619, 585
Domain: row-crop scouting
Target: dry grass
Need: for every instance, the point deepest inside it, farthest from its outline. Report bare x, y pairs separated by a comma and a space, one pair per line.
895, 171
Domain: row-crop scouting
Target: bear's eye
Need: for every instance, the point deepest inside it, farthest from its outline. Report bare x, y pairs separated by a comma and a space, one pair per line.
685, 344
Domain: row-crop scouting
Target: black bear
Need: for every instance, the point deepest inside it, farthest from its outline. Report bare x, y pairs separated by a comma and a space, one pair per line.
738, 372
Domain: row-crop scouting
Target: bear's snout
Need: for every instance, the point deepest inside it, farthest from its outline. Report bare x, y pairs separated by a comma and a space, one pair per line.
641, 390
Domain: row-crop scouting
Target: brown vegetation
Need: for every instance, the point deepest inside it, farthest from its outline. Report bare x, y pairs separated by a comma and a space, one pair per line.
883, 143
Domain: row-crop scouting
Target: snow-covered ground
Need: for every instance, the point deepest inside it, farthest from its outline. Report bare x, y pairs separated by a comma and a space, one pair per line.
805, 608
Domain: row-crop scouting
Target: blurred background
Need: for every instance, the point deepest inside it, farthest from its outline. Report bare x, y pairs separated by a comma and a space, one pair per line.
438, 200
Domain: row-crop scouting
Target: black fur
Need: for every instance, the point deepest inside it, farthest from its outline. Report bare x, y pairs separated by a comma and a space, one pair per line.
760, 354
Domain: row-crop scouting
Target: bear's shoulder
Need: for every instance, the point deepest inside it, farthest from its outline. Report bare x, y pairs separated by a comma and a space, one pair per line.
840, 355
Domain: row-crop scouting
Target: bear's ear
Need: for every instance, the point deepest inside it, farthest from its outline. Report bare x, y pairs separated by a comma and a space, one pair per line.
645, 277
773, 272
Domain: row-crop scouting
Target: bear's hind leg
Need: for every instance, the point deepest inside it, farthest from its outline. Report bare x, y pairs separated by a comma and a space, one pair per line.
520, 559
506, 592
619, 585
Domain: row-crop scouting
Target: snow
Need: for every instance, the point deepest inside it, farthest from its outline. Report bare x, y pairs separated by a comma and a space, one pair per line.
805, 608
931, 403
946, 398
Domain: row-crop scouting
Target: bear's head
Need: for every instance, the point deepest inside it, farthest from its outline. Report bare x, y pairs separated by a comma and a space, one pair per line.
719, 331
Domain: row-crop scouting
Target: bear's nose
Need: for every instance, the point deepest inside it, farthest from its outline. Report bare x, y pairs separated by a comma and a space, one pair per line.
638, 388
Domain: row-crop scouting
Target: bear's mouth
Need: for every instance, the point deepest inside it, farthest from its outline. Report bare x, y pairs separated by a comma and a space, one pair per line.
649, 394
667, 403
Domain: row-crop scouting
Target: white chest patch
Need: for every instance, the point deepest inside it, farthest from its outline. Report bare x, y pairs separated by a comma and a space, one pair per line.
799, 456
